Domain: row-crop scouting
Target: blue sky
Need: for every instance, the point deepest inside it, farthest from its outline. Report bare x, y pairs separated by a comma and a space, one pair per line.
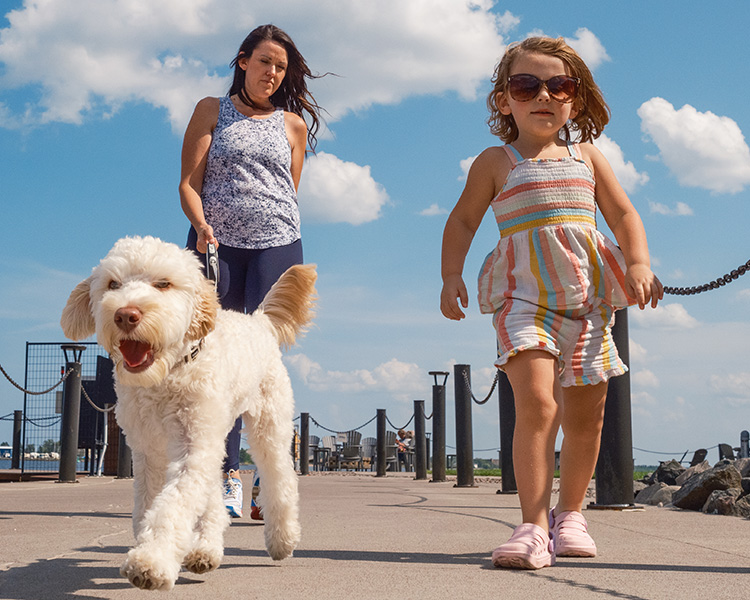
95, 96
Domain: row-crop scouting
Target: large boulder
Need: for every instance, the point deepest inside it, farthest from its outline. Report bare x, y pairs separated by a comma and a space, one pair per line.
742, 507
666, 473
696, 490
743, 466
721, 502
694, 470
659, 493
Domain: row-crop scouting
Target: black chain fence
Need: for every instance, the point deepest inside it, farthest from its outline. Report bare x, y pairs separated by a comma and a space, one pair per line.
711, 285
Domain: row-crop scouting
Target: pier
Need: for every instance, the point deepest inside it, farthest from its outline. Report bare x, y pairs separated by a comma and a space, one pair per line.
367, 537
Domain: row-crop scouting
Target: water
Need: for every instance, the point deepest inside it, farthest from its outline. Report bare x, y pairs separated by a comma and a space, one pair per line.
54, 465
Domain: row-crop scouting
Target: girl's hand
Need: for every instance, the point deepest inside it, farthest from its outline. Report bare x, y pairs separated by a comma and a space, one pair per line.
643, 285
205, 237
453, 287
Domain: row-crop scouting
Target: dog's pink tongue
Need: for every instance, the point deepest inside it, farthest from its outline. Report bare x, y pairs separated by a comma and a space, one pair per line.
134, 352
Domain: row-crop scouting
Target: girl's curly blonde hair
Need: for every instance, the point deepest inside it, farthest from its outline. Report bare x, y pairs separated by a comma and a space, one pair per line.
593, 112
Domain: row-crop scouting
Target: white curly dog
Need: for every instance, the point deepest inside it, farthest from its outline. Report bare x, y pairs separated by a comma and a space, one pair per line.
184, 371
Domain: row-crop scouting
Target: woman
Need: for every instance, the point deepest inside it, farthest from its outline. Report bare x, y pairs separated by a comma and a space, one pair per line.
242, 160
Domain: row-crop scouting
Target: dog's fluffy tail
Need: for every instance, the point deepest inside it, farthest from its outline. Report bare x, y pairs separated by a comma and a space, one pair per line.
290, 302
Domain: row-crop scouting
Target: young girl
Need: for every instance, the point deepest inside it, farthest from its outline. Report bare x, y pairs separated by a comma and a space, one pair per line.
552, 283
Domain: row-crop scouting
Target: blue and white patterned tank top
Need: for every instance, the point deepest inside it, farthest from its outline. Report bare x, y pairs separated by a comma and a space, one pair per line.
248, 192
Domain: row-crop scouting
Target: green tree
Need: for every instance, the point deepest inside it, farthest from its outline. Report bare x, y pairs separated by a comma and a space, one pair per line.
49, 446
245, 457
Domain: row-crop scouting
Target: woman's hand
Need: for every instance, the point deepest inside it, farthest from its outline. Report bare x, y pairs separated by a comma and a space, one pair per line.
205, 237
642, 285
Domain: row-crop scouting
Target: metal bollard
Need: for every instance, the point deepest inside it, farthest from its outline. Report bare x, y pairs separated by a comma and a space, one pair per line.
420, 443
464, 440
15, 460
614, 468
70, 414
381, 456
124, 458
507, 426
745, 444
304, 443
438, 426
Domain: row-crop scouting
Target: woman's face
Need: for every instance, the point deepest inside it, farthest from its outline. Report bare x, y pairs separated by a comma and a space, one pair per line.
264, 70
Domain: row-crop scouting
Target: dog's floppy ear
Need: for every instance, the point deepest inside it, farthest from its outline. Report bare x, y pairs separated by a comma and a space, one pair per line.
204, 317
77, 321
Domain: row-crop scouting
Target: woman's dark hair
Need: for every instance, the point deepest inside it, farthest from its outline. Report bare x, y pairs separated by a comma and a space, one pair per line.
292, 95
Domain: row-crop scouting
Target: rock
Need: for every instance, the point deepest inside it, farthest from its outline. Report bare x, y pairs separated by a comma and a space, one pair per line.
694, 470
742, 507
666, 473
721, 502
696, 490
745, 483
743, 466
638, 486
659, 493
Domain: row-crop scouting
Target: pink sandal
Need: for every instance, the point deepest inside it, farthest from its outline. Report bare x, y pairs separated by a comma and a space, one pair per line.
569, 531
530, 547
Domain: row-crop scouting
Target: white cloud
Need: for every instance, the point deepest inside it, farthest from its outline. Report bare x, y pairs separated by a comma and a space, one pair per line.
700, 149
680, 209
642, 404
630, 179
645, 378
395, 377
664, 316
89, 57
335, 191
638, 352
589, 47
433, 210
735, 387
465, 165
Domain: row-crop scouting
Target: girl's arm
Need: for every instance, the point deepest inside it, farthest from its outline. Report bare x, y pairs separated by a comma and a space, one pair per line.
627, 227
481, 184
195, 147
296, 133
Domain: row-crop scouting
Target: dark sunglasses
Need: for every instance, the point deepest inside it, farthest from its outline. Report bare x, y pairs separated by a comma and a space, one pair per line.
524, 87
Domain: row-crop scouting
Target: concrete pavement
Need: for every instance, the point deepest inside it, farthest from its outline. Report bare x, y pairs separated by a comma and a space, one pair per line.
369, 538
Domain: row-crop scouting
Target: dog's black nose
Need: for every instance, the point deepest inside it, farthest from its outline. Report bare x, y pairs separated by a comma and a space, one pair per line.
127, 318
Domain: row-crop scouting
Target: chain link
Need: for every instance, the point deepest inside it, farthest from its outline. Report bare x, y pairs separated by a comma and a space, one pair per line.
25, 391
94, 406
337, 432
492, 389
712, 285
397, 428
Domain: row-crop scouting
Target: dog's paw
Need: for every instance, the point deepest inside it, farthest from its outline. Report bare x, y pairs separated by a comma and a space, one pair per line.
281, 541
147, 572
203, 560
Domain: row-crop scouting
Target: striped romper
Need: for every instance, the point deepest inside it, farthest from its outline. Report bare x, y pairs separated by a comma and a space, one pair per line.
554, 281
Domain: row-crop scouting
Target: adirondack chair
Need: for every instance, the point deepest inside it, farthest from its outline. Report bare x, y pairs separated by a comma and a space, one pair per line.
351, 452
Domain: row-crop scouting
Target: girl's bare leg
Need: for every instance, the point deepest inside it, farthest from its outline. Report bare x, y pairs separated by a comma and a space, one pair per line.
582, 420
533, 377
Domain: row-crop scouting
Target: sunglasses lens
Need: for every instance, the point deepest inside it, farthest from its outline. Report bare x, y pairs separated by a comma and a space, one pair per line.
563, 88
524, 87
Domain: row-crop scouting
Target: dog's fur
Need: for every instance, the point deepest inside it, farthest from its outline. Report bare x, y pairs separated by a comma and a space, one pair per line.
151, 308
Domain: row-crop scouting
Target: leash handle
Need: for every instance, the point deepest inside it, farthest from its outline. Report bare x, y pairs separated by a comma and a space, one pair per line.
212, 264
